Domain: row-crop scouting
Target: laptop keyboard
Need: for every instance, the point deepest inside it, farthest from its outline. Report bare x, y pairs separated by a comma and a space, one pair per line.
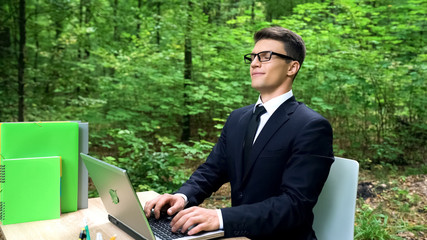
162, 229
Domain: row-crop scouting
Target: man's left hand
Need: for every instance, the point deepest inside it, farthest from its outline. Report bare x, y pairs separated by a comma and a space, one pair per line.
201, 218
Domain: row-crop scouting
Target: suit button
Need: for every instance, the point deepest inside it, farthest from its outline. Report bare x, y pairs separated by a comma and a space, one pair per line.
240, 195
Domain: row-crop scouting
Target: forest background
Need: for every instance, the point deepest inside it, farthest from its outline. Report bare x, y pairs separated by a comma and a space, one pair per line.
157, 79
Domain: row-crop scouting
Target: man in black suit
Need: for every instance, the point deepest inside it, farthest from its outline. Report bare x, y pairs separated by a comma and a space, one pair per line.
276, 170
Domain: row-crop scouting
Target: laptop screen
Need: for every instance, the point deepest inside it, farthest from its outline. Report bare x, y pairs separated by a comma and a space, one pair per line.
117, 195
122, 203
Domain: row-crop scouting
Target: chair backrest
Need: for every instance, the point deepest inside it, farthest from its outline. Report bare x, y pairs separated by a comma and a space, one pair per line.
335, 210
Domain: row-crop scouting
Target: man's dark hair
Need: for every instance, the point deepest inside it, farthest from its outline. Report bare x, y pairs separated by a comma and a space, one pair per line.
294, 45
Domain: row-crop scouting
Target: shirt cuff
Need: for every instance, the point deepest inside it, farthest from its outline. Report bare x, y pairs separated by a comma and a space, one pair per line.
221, 222
183, 196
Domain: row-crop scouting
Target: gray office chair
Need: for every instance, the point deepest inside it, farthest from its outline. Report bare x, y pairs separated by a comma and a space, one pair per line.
336, 207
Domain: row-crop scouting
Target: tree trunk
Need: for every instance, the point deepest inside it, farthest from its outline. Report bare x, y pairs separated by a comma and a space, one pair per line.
188, 65
5, 53
115, 27
138, 18
87, 23
253, 12
21, 62
84, 19
37, 43
79, 49
158, 18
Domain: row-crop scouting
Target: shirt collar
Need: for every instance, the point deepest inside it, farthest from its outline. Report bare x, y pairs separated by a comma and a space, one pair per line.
274, 103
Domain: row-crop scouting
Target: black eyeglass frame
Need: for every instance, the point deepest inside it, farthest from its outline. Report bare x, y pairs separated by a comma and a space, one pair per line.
248, 57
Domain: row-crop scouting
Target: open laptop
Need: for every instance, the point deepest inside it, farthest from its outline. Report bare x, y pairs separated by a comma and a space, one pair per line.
123, 206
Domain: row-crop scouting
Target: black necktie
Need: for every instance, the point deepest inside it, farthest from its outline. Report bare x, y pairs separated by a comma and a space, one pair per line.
250, 133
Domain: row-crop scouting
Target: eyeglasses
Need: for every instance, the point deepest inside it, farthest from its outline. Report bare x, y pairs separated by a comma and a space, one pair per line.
264, 56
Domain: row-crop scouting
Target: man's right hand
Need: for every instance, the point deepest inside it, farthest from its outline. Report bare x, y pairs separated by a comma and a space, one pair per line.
171, 203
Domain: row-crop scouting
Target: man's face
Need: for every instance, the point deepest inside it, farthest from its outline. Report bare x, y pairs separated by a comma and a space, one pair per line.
270, 78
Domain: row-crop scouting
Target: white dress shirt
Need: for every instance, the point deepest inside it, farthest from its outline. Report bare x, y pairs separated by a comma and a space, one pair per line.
270, 106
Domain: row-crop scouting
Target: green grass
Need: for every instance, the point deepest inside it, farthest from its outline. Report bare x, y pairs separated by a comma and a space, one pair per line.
396, 212
371, 224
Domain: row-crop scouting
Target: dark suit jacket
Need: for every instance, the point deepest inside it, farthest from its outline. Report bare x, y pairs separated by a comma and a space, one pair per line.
288, 166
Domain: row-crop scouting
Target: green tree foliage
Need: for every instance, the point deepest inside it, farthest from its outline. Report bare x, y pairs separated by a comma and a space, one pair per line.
121, 66
368, 64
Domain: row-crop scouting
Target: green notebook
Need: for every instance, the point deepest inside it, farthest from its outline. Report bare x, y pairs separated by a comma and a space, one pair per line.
30, 189
42, 139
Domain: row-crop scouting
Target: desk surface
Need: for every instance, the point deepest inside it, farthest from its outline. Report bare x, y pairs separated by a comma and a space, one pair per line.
69, 225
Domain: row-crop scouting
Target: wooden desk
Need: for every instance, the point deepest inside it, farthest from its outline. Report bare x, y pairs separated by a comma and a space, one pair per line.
69, 225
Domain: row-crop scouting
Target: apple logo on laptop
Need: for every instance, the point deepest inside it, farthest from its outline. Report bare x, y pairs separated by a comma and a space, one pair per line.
114, 197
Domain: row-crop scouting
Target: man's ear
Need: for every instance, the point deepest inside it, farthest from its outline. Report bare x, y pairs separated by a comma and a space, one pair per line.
293, 68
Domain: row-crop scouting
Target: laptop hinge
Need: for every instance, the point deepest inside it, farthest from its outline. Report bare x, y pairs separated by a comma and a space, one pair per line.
125, 228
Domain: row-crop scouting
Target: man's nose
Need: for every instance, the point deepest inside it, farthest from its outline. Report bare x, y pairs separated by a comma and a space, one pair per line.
255, 62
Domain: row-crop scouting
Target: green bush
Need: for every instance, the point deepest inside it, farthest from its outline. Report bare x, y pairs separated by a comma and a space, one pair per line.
147, 169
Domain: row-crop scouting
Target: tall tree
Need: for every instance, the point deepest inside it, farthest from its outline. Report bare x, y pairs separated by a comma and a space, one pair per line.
116, 22
188, 68
36, 40
84, 21
21, 60
158, 18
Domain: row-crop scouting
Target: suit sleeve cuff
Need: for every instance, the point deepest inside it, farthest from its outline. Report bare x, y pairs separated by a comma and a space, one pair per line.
221, 222
183, 196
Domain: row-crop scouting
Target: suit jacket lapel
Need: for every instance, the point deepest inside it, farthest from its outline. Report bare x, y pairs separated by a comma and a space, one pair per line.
279, 117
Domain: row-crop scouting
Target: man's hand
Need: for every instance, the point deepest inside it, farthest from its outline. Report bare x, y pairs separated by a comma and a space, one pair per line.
200, 219
171, 203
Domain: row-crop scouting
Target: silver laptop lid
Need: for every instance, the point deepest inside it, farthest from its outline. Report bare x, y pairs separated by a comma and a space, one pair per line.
118, 195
